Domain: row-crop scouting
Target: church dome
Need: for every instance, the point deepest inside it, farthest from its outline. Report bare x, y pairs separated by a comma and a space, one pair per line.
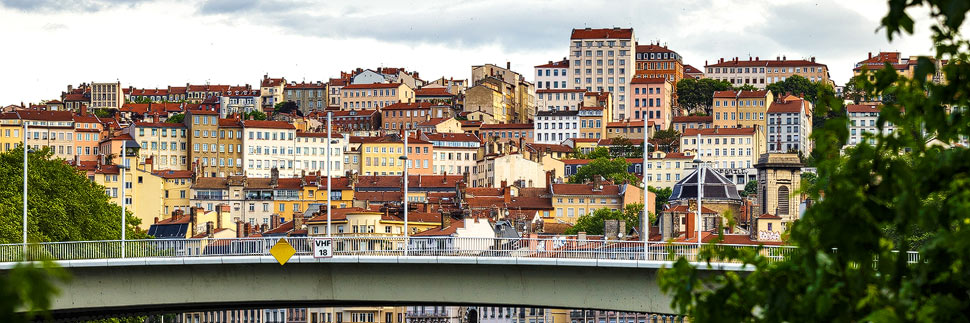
716, 186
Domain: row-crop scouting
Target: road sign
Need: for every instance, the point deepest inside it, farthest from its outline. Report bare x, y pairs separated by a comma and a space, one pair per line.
282, 251
322, 248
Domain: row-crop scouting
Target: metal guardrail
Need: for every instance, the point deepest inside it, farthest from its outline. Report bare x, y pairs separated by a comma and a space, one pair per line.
557, 247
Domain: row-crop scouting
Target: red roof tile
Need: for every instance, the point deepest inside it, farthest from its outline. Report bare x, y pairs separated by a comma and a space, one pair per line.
560, 64
372, 86
267, 124
585, 189
692, 119
719, 131
600, 33
409, 106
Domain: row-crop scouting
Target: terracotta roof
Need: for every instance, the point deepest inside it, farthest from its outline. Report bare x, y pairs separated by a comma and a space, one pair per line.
85, 119
560, 64
648, 80
173, 173
267, 124
210, 183
336, 214
433, 121
289, 183
141, 92
268, 81
446, 231
318, 134
740, 94
185, 218
45, 115
483, 191
379, 196
585, 189
677, 156
230, 123
600, 33
653, 49
551, 147
444, 136
765, 63
506, 126
372, 86
684, 209
432, 91
688, 69
159, 124
409, 106
719, 131
882, 57
862, 108
75, 97
769, 216
789, 106
560, 91
691, 119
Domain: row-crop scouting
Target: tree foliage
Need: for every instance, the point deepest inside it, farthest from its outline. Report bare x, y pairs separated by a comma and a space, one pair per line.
663, 195
287, 108
666, 140
698, 94
62, 204
593, 223
880, 202
751, 188
26, 291
615, 170
176, 118
745, 87
254, 115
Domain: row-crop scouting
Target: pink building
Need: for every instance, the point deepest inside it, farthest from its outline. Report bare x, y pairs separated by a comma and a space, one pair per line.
88, 131
651, 99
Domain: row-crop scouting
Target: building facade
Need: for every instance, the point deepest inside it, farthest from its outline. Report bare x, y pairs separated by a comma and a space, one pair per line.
790, 126
602, 60
653, 100
759, 73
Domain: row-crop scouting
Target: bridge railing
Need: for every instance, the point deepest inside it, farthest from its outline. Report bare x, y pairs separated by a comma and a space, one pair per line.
567, 247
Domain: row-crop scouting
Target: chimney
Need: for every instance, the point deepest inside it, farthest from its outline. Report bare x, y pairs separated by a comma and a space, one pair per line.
192, 218
870, 56
506, 193
208, 229
784, 58
274, 221
777, 58
757, 58
813, 59
156, 220
239, 229
691, 232
274, 177
549, 180
508, 65
297, 221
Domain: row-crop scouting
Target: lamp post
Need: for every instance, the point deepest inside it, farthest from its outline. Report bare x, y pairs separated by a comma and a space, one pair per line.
123, 168
25, 190
405, 159
646, 200
329, 152
700, 190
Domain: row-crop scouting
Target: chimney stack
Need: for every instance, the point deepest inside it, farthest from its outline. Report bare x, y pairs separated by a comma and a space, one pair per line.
508, 65
239, 229
297, 222
209, 229
690, 231
813, 59
870, 54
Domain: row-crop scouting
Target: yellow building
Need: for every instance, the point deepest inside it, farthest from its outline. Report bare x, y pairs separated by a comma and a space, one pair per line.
494, 99
141, 187
374, 96
358, 221
315, 191
357, 314
380, 155
10, 129
592, 122
176, 189
572, 201
739, 109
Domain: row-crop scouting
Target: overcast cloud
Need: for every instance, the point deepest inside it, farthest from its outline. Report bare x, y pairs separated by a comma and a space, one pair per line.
149, 43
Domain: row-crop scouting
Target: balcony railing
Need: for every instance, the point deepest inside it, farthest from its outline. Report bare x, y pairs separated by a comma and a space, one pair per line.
388, 246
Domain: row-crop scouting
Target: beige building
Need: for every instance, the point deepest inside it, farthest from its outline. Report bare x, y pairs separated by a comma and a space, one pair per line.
730, 151
759, 73
491, 103
739, 109
454, 153
521, 95
106, 96
572, 201
271, 91
166, 144
307, 96
666, 169
374, 96
779, 181
176, 189
602, 60
52, 129
203, 126
492, 170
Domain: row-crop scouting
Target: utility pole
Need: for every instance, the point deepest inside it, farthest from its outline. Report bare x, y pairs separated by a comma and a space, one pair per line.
329, 152
646, 192
124, 169
25, 189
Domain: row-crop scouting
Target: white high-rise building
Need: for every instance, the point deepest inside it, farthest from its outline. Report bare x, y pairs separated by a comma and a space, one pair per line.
603, 60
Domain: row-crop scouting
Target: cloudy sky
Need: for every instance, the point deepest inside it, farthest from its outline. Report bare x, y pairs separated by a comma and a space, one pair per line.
48, 44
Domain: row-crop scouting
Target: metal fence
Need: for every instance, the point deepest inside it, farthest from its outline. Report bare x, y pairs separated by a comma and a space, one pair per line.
565, 247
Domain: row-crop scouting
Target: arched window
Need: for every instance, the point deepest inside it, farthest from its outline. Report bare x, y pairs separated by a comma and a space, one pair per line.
783, 200
764, 199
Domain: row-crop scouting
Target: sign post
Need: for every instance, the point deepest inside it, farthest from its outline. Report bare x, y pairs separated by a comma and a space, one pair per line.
323, 248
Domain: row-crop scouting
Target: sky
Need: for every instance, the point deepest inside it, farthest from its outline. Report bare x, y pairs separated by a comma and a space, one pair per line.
49, 44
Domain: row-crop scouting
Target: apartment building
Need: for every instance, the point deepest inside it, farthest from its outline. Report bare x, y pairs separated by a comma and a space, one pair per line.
269, 145
731, 151
87, 136
374, 95
239, 102
666, 169
165, 144
572, 201
507, 131
454, 153
693, 72
230, 147
10, 131
734, 109
307, 96
311, 152
904, 66
271, 91
51, 129
628, 129
408, 116
863, 119
552, 76
107, 95
494, 169
602, 60
559, 99
381, 155
592, 122
490, 102
176, 189
203, 126
552, 127
759, 73
682, 123
790, 126
656, 61
653, 100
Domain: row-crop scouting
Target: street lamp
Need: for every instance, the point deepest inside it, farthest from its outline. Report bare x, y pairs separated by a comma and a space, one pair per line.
405, 159
25, 190
700, 189
329, 152
123, 168
646, 201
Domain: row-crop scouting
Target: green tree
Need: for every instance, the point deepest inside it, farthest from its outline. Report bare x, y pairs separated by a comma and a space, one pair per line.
881, 201
103, 113
26, 291
666, 140
663, 195
746, 87
254, 115
698, 95
62, 204
176, 118
593, 223
751, 188
615, 170
287, 107
622, 147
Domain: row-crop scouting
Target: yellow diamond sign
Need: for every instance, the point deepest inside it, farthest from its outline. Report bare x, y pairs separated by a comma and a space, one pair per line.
282, 251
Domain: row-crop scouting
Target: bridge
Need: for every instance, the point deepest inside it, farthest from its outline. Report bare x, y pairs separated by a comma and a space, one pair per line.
186, 274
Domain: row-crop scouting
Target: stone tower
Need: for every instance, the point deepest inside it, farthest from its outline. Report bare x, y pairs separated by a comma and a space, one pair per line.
779, 180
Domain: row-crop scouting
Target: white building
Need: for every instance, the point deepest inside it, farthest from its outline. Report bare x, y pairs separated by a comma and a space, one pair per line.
311, 152
862, 120
492, 170
454, 153
106, 95
453, 236
603, 60
552, 127
730, 151
790, 126
239, 102
552, 76
559, 99
268, 145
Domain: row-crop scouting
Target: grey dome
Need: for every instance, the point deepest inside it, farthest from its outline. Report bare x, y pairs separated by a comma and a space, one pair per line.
716, 186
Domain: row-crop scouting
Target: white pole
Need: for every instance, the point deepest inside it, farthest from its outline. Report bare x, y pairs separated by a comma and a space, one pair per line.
646, 201
123, 169
329, 152
700, 190
406, 160
25, 189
